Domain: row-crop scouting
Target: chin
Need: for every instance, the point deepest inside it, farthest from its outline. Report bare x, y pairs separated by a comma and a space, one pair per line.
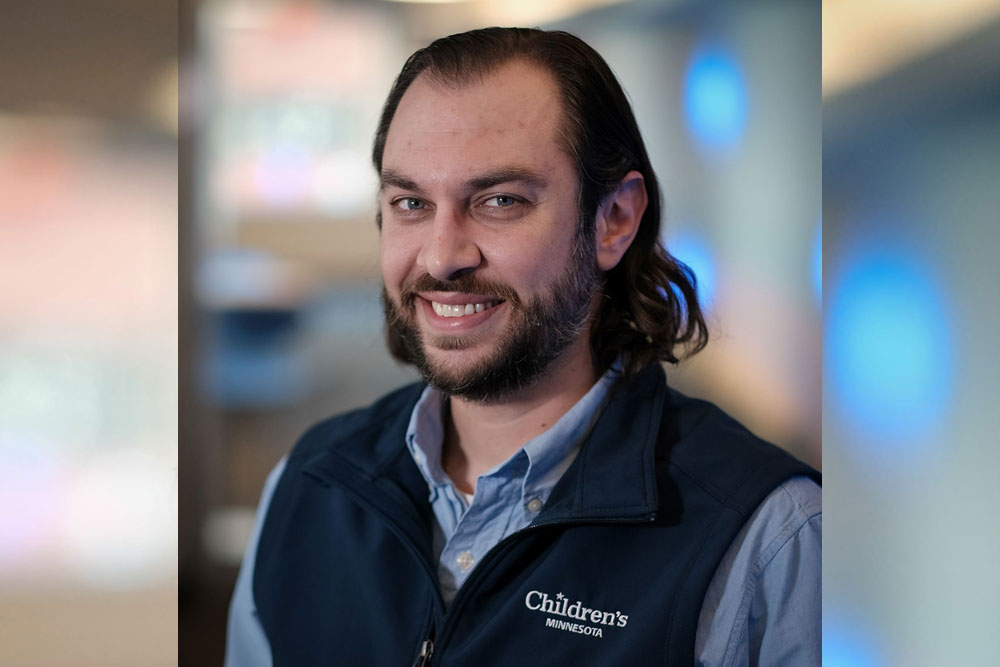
458, 362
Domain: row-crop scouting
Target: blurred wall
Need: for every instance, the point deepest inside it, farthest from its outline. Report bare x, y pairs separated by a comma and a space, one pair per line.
911, 377
284, 274
88, 355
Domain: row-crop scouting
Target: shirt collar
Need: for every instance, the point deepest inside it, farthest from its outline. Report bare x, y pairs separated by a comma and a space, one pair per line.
548, 455
552, 452
425, 436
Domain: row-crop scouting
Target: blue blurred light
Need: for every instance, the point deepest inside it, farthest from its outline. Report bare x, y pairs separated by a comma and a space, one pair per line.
889, 347
817, 261
715, 99
693, 252
844, 645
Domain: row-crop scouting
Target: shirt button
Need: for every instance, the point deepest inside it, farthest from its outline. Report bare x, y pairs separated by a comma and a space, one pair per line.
465, 560
534, 504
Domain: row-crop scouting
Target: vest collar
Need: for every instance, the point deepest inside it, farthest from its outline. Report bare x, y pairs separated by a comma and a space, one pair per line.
613, 477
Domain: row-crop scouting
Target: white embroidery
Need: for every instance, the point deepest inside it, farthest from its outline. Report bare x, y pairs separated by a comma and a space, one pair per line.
561, 606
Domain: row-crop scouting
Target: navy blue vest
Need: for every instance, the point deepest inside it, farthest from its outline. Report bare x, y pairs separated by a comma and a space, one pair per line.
613, 570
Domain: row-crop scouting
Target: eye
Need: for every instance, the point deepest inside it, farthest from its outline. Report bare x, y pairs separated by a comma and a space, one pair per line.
410, 204
501, 201
503, 207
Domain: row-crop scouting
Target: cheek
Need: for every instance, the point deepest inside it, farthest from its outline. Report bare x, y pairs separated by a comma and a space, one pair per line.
526, 263
396, 258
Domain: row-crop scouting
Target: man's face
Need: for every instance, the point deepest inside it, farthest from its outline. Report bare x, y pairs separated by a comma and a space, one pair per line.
485, 275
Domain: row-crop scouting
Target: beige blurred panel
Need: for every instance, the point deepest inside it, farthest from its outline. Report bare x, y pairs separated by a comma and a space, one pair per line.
88, 254
90, 233
88, 266
768, 388
863, 40
532, 12
430, 19
87, 628
272, 49
337, 249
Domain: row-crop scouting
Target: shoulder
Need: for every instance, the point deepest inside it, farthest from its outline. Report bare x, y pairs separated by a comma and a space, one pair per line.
791, 511
793, 508
695, 425
721, 455
764, 598
356, 443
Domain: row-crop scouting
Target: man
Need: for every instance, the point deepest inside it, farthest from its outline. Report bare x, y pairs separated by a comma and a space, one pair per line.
545, 499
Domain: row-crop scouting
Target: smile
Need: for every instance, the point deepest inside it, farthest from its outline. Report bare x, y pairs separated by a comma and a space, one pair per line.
461, 309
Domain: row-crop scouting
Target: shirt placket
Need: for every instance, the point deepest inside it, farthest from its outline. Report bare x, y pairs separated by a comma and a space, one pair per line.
482, 526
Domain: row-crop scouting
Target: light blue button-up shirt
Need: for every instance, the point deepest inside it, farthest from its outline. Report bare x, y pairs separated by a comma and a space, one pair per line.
763, 606
509, 496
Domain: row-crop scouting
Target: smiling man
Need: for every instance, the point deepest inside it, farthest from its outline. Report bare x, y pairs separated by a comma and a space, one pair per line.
543, 498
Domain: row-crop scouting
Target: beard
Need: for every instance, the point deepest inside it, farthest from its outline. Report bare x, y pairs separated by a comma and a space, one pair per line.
539, 330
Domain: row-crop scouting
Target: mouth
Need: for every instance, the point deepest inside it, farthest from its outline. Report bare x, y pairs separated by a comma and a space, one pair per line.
462, 309
460, 313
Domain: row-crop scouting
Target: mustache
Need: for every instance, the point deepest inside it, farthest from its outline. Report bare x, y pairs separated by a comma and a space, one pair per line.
469, 283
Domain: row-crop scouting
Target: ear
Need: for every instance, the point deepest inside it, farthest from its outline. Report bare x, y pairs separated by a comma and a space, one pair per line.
618, 220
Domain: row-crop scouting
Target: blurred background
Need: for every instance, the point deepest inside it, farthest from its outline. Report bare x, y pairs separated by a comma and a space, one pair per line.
88, 321
272, 296
911, 150
281, 324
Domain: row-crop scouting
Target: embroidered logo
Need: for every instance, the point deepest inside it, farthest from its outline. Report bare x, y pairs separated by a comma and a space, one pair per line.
561, 606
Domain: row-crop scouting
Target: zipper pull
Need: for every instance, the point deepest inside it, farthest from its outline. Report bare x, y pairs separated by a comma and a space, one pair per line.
426, 649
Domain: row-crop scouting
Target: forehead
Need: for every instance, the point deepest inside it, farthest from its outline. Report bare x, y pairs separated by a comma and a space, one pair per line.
510, 116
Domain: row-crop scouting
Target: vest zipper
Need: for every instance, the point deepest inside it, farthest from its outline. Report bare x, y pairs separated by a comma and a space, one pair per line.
427, 647
464, 592
426, 650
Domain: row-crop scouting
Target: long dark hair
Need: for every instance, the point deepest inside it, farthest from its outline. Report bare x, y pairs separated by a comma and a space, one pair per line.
649, 307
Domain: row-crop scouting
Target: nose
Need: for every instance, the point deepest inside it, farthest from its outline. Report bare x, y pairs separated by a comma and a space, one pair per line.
449, 250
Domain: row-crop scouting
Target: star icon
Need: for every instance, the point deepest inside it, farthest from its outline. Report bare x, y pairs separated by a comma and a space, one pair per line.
559, 596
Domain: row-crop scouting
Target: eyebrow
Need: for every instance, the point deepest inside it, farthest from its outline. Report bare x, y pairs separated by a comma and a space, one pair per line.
506, 175
392, 178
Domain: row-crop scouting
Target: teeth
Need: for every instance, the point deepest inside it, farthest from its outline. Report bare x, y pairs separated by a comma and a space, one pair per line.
460, 310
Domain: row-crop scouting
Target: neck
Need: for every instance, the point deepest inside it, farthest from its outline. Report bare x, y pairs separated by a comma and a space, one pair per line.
479, 436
